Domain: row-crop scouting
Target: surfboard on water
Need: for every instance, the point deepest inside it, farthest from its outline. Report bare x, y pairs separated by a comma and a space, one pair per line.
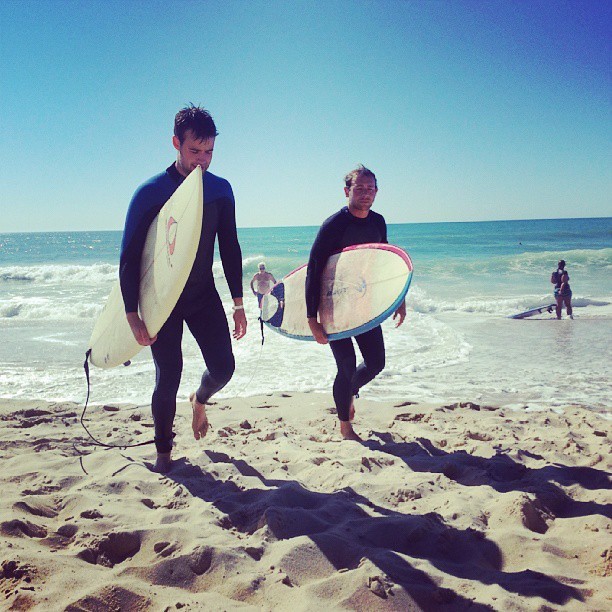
533, 311
167, 258
361, 286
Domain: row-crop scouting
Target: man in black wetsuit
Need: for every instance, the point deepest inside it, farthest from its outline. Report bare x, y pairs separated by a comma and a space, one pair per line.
353, 224
199, 305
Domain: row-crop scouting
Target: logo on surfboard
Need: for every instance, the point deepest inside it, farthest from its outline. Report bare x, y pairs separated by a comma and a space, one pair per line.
337, 289
171, 228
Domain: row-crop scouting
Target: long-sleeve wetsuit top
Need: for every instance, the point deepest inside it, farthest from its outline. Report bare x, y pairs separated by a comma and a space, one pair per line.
219, 220
341, 230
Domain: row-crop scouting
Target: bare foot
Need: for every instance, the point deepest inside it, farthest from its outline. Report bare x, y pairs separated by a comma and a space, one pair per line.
199, 422
163, 463
347, 431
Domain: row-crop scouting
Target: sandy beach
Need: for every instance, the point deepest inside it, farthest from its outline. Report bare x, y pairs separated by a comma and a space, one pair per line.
443, 507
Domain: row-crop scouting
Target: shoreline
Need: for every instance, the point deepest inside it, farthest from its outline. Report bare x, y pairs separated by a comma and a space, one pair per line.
444, 506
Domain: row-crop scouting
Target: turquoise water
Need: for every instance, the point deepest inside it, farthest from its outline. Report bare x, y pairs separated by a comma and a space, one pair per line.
456, 344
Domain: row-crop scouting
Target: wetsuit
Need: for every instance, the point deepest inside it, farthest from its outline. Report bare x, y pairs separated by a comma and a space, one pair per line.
199, 305
339, 231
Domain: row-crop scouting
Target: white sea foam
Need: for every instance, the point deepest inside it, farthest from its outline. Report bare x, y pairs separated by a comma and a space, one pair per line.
60, 274
48, 309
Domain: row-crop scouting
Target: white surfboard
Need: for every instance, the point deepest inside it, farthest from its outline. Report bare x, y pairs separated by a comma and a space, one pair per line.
167, 258
533, 311
360, 287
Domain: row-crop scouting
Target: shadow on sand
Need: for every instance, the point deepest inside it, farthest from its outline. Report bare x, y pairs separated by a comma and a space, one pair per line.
345, 533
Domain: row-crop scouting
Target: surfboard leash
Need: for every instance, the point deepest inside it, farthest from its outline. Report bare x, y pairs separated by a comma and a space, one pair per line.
256, 367
97, 442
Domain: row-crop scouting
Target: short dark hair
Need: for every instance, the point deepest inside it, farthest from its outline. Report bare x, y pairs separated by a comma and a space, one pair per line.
360, 170
195, 119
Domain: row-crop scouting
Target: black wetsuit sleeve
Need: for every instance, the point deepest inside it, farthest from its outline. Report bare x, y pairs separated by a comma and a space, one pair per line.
129, 264
229, 248
323, 246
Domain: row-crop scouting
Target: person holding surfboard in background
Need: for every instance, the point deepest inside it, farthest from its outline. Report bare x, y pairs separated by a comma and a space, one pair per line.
562, 292
353, 224
199, 304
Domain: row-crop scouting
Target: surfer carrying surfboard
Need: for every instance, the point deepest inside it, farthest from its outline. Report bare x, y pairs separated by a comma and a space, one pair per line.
354, 224
199, 304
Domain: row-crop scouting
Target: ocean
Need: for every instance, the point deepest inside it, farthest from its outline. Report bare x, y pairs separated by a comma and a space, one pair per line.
457, 343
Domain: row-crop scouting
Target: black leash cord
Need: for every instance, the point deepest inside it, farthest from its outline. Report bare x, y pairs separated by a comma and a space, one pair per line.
97, 442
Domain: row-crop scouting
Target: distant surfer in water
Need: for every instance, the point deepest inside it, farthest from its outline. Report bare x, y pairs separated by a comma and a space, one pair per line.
353, 224
199, 305
562, 292
262, 282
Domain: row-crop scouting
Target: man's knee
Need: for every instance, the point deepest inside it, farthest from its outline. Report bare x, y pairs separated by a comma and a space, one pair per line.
375, 365
347, 367
167, 382
222, 373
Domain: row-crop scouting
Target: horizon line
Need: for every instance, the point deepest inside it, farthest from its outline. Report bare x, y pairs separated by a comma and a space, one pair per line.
293, 226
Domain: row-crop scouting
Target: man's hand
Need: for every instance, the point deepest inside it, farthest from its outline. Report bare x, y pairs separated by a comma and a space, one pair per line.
240, 324
139, 329
401, 313
317, 331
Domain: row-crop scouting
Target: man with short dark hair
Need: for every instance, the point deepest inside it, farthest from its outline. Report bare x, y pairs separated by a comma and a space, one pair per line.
353, 224
199, 305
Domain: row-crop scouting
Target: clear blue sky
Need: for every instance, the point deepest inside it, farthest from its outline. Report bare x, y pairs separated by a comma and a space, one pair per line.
466, 110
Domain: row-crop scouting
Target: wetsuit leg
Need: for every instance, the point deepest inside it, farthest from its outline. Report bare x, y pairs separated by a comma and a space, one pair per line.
346, 361
168, 359
350, 378
372, 347
209, 327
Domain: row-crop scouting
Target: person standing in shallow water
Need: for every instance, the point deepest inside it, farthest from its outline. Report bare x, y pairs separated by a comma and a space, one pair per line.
562, 292
262, 282
353, 224
199, 305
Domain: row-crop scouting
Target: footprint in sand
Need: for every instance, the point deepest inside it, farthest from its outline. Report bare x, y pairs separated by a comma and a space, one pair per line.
68, 531
37, 508
113, 597
165, 549
42, 490
91, 514
12, 570
17, 528
111, 550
